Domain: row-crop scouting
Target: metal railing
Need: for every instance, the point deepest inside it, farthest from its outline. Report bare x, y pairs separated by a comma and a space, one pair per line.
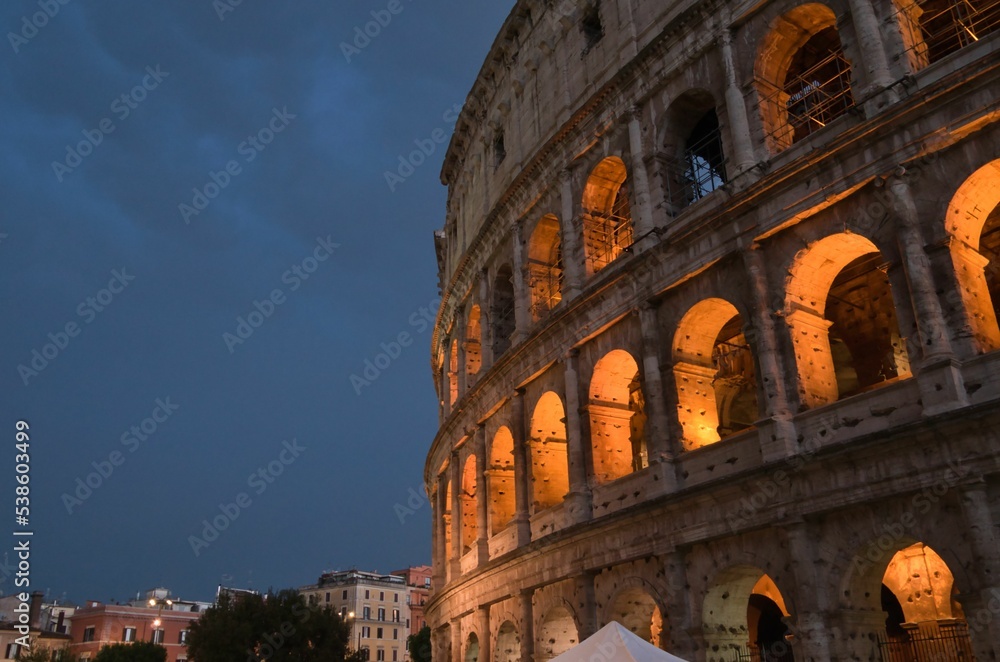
938, 28
699, 172
946, 643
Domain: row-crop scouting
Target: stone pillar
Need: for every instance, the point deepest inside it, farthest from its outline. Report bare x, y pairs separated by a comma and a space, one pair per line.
811, 636
457, 648
770, 366
661, 453
982, 606
485, 323
586, 603
871, 47
527, 618
574, 271
522, 470
482, 497
941, 385
449, 377
485, 641
685, 638
736, 110
456, 517
522, 297
439, 552
578, 501
642, 219
463, 372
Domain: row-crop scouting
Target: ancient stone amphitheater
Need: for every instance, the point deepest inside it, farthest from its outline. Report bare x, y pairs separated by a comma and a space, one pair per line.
718, 354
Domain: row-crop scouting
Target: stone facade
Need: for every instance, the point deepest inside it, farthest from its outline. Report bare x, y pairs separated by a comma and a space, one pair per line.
717, 348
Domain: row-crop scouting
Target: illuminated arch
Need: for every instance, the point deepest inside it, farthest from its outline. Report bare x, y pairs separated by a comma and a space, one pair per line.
745, 609
503, 310
617, 417
500, 478
549, 453
545, 267
558, 633
508, 648
473, 342
470, 529
607, 215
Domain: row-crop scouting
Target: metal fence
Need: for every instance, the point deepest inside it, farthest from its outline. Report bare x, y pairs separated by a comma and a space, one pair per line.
946, 644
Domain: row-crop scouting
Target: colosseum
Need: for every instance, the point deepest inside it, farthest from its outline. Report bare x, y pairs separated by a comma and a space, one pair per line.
718, 354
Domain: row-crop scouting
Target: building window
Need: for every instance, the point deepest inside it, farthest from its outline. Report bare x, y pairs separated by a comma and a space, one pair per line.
128, 634
395, 597
328, 597
366, 632
378, 633
182, 638
381, 613
395, 616
365, 653
88, 634
381, 596
367, 594
345, 594
366, 613
395, 633
380, 655
395, 653
158, 636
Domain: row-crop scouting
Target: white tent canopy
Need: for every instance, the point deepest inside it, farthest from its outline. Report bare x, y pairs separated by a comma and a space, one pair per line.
615, 643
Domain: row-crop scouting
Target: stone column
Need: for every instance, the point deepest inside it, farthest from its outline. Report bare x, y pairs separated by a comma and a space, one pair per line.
439, 552
642, 219
527, 618
982, 606
456, 517
770, 366
463, 373
482, 497
522, 470
574, 272
736, 110
522, 297
941, 384
586, 603
485, 641
661, 454
812, 636
578, 501
876, 64
457, 649
685, 638
485, 323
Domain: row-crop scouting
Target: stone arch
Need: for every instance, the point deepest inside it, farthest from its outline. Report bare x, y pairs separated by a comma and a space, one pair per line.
508, 648
557, 633
973, 221
617, 417
503, 310
453, 372
802, 75
842, 319
607, 215
693, 156
470, 529
473, 342
446, 515
639, 608
934, 29
471, 648
545, 266
500, 478
715, 373
549, 453
744, 608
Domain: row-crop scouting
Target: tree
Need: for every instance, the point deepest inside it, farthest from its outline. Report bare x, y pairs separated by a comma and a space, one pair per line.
142, 651
279, 627
420, 645
42, 654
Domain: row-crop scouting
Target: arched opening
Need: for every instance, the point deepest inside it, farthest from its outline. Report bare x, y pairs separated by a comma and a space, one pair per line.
607, 215
922, 616
500, 477
842, 319
508, 647
473, 343
617, 417
470, 530
715, 374
557, 635
453, 372
503, 310
693, 158
446, 521
549, 453
638, 611
934, 29
744, 611
545, 267
803, 76
973, 221
472, 648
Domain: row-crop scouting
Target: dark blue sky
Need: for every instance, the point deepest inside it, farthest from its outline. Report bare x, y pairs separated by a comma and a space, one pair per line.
99, 246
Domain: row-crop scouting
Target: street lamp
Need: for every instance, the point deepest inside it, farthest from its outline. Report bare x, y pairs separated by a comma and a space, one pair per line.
160, 604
